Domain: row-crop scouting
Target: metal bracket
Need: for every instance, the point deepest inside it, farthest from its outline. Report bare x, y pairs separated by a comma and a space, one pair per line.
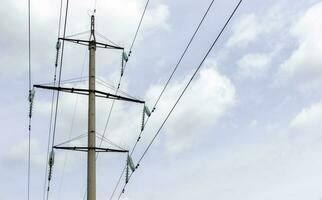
87, 43
86, 92
97, 149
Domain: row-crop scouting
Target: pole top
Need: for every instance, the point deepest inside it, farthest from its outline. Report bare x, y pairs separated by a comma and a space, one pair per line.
92, 28
92, 38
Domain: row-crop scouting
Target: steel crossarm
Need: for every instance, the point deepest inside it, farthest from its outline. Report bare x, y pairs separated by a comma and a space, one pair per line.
86, 92
97, 149
87, 42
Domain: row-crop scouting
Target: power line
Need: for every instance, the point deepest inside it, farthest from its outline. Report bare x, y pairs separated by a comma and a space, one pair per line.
120, 79
60, 72
52, 99
59, 81
77, 34
105, 38
139, 26
176, 67
72, 126
29, 126
184, 90
67, 81
166, 85
110, 86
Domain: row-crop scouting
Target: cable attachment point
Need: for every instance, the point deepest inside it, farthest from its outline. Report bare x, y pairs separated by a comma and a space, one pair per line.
146, 111
143, 120
129, 166
130, 163
124, 58
127, 174
31, 101
51, 162
58, 44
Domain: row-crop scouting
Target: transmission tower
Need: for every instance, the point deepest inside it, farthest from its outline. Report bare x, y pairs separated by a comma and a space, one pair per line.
92, 93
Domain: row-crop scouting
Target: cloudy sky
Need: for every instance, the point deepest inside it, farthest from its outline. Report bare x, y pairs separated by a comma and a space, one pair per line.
248, 127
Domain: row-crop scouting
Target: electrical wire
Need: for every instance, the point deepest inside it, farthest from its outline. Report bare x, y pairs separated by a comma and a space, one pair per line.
72, 139
59, 81
60, 73
139, 26
165, 86
67, 81
77, 34
105, 38
184, 90
120, 79
176, 67
110, 86
109, 141
72, 123
29, 77
52, 103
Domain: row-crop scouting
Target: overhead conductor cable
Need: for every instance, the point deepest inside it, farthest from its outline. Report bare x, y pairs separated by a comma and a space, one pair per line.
54, 118
31, 96
184, 90
164, 88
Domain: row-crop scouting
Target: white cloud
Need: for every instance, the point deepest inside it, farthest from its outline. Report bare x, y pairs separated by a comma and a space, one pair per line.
17, 155
253, 123
122, 129
274, 168
209, 97
262, 27
245, 30
308, 121
254, 65
44, 27
157, 18
304, 66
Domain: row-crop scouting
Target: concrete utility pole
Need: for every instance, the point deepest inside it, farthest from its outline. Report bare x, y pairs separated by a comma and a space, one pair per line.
91, 160
91, 148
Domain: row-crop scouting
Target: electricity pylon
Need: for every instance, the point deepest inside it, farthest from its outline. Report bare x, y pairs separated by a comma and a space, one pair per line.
92, 93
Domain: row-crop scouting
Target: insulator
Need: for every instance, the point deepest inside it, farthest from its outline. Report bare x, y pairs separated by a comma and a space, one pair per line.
122, 67
31, 101
51, 160
125, 56
57, 52
31, 95
130, 163
143, 120
49, 173
147, 111
58, 45
127, 174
